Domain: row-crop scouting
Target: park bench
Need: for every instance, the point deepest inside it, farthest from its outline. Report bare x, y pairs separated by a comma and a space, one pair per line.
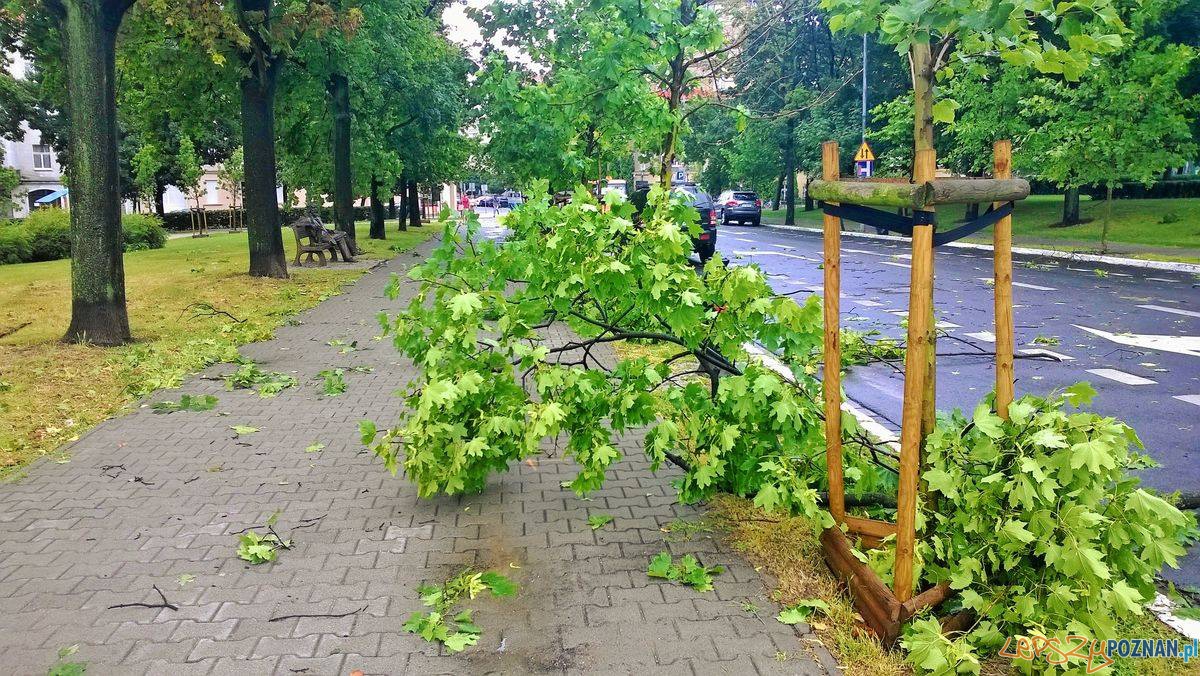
317, 244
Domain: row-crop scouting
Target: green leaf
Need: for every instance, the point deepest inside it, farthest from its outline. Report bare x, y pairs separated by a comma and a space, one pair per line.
943, 111
315, 447
458, 641
499, 584
802, 611
367, 431
987, 422
660, 566
243, 430
598, 521
1080, 394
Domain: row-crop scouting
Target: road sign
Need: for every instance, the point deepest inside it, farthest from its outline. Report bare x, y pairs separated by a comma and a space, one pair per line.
864, 153
864, 168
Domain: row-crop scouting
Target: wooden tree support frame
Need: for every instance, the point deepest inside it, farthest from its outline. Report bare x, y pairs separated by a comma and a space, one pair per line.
884, 609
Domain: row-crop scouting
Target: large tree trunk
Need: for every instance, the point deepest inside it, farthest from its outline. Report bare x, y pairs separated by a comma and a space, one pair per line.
779, 189
343, 182
1071, 207
267, 257
378, 229
98, 313
789, 167
414, 205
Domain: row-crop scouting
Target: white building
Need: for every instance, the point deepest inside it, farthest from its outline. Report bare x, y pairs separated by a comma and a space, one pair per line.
41, 175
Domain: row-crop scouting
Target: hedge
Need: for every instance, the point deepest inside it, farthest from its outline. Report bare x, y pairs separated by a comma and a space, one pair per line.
45, 235
1168, 189
221, 218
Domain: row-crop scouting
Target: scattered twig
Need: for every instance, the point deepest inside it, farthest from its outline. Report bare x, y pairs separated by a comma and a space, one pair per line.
8, 332
165, 603
203, 309
325, 615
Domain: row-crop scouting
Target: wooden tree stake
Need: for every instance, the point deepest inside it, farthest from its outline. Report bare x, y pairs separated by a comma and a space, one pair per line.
918, 390
1002, 276
832, 383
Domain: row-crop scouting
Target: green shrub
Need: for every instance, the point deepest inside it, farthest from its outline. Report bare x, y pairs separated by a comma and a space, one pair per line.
49, 234
14, 244
143, 231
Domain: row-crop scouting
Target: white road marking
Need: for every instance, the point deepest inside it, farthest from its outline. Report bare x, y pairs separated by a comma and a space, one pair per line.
1174, 311
868, 303
1035, 287
743, 239
1038, 351
785, 247
1122, 377
864, 251
735, 232
985, 336
947, 325
895, 264
1161, 279
1189, 345
775, 253
1190, 398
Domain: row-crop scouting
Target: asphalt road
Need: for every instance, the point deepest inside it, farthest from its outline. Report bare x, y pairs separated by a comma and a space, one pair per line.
1133, 333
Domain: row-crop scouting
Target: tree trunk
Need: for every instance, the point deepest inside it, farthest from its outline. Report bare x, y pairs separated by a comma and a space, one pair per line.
403, 208
414, 205
972, 211
159, 207
391, 207
1107, 219
809, 204
779, 189
98, 312
343, 182
1071, 207
378, 229
267, 257
789, 166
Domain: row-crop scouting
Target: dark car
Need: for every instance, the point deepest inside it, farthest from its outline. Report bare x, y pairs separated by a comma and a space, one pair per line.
740, 206
705, 245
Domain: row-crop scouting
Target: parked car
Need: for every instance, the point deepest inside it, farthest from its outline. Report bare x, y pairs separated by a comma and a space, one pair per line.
740, 206
705, 244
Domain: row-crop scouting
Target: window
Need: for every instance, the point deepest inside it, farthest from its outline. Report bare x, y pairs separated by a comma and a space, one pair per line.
42, 156
210, 190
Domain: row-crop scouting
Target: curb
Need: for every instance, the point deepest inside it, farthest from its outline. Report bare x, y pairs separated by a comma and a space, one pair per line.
1192, 268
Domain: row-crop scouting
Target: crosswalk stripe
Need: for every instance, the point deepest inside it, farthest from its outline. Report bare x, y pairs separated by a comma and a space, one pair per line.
1172, 310
1122, 377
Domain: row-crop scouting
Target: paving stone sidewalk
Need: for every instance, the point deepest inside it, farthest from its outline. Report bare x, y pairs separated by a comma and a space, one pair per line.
148, 498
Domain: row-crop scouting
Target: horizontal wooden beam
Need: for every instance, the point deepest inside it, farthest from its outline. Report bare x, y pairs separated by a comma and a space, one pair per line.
870, 193
977, 190
890, 193
870, 527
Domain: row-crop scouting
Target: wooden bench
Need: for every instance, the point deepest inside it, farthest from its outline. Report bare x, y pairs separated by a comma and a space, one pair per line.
304, 229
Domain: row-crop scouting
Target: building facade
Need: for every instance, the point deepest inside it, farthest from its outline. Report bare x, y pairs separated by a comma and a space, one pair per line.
41, 175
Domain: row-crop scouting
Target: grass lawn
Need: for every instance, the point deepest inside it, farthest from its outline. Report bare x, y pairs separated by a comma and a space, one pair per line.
51, 392
1137, 228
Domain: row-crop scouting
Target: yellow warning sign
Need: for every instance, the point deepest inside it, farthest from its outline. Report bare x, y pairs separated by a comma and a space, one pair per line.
864, 153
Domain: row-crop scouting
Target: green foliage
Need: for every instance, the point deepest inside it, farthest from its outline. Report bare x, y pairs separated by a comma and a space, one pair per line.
455, 630
333, 381
1042, 530
598, 521
863, 347
243, 430
45, 235
258, 549
15, 246
49, 232
187, 402
143, 231
802, 611
248, 375
687, 572
469, 414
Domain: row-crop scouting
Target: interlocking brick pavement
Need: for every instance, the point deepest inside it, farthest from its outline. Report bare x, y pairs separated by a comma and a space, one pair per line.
147, 498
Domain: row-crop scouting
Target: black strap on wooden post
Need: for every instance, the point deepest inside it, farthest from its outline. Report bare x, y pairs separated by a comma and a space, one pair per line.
886, 220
